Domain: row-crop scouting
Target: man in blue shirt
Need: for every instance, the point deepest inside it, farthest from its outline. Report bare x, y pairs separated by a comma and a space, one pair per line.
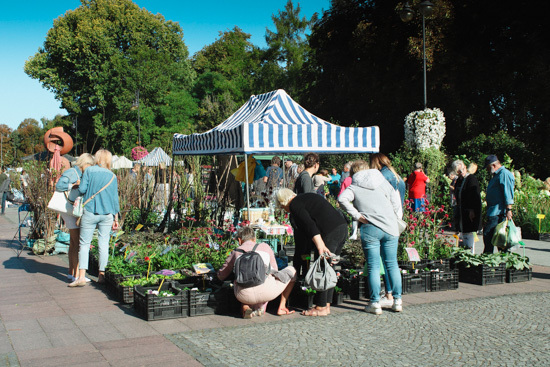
500, 198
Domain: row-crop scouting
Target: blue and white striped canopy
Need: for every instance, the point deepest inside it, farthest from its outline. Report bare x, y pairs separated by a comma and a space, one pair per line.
274, 123
156, 157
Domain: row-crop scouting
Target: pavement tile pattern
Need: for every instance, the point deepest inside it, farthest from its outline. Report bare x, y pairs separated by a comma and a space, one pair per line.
509, 330
45, 323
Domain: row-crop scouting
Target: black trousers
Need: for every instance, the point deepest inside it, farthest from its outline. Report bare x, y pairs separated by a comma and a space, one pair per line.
334, 241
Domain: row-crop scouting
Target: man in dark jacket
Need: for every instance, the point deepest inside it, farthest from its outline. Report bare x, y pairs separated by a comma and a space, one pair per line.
468, 200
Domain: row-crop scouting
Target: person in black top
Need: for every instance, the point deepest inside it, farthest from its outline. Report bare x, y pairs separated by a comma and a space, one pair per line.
304, 182
316, 223
468, 199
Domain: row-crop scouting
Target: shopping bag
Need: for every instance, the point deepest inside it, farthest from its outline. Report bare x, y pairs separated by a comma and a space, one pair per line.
321, 276
59, 203
514, 235
500, 236
77, 207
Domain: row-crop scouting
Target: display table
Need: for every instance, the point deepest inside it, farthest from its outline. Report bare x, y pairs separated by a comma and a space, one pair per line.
272, 230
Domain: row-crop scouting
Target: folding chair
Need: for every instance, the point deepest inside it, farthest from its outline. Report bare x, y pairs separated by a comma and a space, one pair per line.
22, 223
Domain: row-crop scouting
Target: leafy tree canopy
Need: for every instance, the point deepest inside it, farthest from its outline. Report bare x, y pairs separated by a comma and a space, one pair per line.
97, 56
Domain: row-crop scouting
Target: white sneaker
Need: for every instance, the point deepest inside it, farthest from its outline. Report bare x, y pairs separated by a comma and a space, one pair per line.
374, 308
386, 303
353, 237
397, 305
87, 280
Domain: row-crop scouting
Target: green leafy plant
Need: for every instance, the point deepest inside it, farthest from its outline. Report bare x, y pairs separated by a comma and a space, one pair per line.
515, 261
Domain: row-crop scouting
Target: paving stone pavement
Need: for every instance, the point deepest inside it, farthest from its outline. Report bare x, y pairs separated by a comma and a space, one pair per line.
45, 323
500, 331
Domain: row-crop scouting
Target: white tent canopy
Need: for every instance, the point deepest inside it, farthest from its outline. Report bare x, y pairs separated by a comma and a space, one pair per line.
274, 123
121, 162
156, 157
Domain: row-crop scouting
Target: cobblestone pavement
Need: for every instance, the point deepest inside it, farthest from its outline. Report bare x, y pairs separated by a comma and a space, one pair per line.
501, 331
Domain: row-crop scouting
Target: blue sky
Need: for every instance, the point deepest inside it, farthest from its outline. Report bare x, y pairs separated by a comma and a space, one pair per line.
24, 24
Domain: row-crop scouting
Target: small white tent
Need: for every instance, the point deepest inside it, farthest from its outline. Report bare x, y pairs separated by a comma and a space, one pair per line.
121, 162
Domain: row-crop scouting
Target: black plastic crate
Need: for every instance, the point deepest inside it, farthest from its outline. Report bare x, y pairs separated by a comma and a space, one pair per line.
441, 264
443, 280
353, 288
516, 276
482, 274
126, 294
337, 299
152, 307
201, 303
416, 283
93, 265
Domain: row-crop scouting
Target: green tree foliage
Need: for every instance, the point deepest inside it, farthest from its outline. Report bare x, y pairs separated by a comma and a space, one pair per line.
287, 51
7, 151
29, 138
230, 59
97, 56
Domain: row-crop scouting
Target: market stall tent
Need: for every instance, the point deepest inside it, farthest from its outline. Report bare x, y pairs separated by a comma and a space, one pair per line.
121, 162
274, 123
155, 158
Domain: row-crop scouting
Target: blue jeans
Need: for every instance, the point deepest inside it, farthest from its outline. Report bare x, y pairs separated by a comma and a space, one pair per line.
88, 223
378, 243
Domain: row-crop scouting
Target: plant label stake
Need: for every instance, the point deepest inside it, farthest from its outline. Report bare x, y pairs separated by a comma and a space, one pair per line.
139, 226
540, 218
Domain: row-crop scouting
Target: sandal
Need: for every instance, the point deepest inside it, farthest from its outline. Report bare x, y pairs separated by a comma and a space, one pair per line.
314, 312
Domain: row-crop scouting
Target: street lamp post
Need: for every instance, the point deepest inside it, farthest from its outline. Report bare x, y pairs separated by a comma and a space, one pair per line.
136, 105
426, 8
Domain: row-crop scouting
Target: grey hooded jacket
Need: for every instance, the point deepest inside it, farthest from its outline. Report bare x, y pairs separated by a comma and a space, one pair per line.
371, 196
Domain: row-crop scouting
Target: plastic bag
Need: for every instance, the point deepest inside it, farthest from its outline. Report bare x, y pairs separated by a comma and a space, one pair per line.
514, 235
500, 236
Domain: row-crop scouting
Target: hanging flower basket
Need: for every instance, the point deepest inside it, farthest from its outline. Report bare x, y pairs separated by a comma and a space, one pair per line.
425, 129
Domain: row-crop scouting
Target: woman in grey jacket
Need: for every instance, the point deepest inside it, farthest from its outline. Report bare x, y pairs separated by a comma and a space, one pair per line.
371, 200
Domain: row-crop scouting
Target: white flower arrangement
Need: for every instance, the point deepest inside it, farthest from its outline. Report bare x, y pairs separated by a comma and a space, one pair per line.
425, 129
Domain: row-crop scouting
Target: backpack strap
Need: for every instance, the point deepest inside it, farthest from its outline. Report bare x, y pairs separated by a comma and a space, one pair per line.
255, 247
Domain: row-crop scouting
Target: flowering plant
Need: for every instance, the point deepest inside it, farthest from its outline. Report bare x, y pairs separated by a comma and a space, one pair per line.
425, 232
425, 129
138, 153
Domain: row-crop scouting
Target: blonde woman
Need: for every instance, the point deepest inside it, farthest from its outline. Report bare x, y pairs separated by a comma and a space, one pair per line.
100, 202
68, 180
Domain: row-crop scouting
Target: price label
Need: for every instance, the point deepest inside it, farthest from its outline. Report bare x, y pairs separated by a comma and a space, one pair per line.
412, 254
203, 268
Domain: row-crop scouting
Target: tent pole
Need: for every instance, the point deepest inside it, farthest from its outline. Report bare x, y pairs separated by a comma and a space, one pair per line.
246, 184
169, 207
284, 173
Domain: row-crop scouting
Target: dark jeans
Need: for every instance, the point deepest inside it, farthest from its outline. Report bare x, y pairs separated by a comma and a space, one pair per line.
489, 231
334, 241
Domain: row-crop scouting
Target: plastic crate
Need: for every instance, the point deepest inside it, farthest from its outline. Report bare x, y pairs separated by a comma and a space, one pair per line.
482, 274
441, 264
416, 283
443, 280
152, 307
516, 276
354, 287
201, 303
126, 294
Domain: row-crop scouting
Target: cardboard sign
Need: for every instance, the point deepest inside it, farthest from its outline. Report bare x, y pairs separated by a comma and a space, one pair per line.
203, 268
412, 254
